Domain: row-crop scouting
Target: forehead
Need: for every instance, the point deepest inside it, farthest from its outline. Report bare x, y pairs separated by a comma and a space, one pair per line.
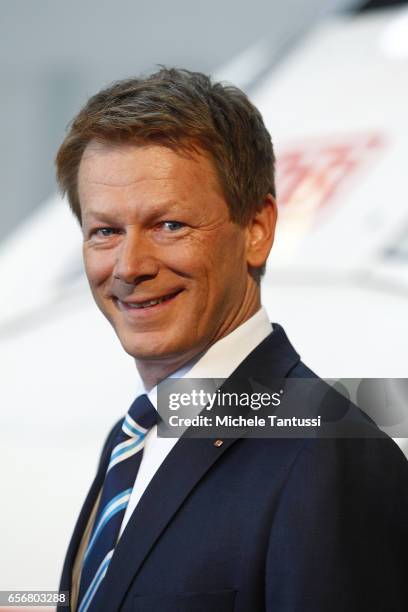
139, 182
116, 166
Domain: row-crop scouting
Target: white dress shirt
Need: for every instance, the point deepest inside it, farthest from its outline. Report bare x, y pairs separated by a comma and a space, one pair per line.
219, 361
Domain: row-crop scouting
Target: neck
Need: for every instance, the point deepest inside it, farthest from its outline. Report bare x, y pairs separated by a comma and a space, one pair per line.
153, 373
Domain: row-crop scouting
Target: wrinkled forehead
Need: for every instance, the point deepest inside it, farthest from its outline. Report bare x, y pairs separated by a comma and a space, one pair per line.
148, 175
125, 163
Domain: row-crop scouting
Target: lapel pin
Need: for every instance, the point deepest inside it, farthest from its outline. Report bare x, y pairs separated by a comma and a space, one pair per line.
218, 443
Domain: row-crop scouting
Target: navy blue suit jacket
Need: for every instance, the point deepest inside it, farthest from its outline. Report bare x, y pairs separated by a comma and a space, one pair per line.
277, 525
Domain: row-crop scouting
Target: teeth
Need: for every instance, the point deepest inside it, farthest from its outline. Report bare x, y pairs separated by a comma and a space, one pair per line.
148, 303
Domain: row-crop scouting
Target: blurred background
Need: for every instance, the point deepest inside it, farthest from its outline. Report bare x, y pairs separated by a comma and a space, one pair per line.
331, 79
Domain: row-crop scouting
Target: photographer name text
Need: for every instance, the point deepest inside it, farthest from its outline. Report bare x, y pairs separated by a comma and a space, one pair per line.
242, 421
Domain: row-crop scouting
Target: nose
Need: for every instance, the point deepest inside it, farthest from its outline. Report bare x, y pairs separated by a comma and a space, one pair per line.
136, 260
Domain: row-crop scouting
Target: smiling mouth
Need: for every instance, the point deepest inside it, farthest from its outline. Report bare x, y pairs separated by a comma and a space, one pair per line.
147, 303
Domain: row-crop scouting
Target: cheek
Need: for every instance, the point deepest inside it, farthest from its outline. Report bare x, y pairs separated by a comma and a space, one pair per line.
228, 256
98, 266
187, 259
225, 267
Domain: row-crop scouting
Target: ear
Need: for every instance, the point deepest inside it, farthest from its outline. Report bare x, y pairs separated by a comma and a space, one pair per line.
261, 233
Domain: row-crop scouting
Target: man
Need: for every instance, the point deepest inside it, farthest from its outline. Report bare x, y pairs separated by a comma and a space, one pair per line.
172, 180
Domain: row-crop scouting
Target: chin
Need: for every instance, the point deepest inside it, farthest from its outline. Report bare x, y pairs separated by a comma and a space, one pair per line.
152, 347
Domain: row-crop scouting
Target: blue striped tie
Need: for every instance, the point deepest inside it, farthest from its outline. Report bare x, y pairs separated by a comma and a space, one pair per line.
119, 480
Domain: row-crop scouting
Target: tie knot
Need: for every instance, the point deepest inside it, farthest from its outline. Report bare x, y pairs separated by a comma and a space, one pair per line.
141, 417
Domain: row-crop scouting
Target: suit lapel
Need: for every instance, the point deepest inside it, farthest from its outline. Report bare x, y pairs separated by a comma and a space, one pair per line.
165, 494
66, 578
272, 359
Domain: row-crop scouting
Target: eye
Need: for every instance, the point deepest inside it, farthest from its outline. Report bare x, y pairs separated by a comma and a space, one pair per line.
172, 226
104, 232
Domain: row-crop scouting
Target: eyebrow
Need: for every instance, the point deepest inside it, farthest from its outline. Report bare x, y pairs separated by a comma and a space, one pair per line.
153, 210
95, 215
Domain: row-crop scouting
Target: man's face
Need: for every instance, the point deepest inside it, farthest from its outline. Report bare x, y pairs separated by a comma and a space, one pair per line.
165, 264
